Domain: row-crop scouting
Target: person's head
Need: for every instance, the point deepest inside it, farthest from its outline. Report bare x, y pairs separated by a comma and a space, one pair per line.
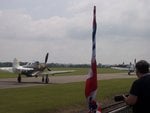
142, 67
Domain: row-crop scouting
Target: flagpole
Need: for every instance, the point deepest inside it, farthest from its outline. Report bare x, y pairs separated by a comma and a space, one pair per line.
91, 81
94, 34
93, 59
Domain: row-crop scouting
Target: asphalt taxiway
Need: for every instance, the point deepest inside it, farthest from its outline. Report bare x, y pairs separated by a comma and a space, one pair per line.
27, 81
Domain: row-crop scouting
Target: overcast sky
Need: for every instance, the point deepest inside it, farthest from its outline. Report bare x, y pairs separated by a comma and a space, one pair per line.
31, 28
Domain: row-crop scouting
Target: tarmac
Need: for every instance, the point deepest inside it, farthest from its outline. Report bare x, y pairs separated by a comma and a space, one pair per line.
31, 81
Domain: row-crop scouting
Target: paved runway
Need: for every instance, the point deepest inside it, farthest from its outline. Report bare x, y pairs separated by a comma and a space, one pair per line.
27, 81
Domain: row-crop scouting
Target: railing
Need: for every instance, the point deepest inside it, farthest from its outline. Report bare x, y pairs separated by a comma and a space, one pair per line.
119, 107
124, 109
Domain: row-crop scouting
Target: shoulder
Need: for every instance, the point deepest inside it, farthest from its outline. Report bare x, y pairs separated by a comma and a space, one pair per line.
145, 77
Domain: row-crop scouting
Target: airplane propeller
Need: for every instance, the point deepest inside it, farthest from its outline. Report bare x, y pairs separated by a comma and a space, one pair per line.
46, 59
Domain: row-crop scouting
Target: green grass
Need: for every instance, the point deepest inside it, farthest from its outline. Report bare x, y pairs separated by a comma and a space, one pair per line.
7, 75
78, 71
55, 97
84, 71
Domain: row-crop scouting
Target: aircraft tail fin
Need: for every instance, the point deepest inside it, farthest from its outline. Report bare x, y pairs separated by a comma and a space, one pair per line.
15, 63
134, 62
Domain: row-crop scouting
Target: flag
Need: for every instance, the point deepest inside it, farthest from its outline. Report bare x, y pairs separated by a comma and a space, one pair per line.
91, 81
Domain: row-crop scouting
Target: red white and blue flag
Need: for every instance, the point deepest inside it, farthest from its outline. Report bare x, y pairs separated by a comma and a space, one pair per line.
91, 81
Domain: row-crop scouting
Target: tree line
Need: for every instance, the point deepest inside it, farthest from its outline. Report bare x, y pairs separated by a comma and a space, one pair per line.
9, 64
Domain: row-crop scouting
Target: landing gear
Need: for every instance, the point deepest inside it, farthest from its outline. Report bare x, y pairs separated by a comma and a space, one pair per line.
43, 79
46, 79
129, 73
19, 78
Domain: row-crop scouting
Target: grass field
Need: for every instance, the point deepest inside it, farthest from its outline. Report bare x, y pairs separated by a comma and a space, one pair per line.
84, 71
77, 71
57, 98
7, 75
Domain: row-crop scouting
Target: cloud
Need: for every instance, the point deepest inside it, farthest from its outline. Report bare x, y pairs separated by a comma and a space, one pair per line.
122, 34
28, 36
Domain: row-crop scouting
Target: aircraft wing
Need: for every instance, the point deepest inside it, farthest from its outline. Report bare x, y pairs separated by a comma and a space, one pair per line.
120, 68
17, 69
7, 69
24, 68
56, 72
36, 73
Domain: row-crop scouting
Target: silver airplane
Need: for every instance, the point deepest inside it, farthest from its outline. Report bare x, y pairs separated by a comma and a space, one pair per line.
130, 67
33, 70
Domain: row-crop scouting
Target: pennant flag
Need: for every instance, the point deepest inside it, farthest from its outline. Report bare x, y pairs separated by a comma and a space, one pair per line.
91, 81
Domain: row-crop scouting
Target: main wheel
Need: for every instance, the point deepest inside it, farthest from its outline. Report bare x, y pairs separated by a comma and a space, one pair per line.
47, 79
19, 78
42, 79
129, 73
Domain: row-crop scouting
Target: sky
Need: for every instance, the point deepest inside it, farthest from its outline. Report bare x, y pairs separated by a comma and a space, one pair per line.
31, 28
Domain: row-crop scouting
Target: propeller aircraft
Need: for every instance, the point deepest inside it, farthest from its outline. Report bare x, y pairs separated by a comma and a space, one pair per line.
129, 67
33, 70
